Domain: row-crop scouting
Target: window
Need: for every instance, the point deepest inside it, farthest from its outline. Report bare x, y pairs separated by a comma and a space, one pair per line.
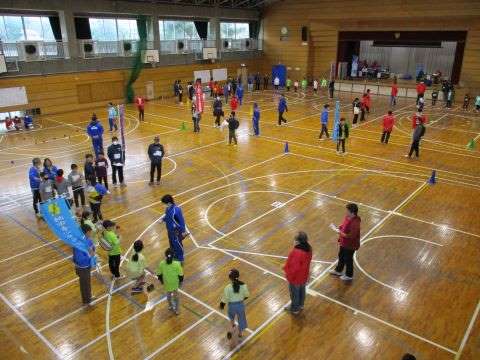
177, 29
127, 29
234, 30
20, 28
103, 29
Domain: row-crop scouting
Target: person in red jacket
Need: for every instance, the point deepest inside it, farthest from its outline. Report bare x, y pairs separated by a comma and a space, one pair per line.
140, 102
420, 90
234, 104
363, 107
297, 271
394, 93
349, 241
388, 122
368, 101
420, 117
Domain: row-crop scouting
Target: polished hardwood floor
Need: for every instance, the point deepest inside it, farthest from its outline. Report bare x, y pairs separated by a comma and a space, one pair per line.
416, 287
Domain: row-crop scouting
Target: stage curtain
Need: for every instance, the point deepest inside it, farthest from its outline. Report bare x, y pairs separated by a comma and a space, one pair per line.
202, 29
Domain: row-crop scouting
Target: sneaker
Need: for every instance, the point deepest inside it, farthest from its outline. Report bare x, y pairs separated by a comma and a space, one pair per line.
177, 312
123, 185
115, 185
150, 183
39, 216
296, 312
346, 278
335, 272
321, 139
136, 290
157, 183
287, 308
338, 152
407, 156
120, 277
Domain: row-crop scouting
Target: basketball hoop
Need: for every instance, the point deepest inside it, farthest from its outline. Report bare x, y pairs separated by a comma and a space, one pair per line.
151, 60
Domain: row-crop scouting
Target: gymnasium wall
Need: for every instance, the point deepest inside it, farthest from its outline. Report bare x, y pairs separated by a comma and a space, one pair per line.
84, 90
325, 18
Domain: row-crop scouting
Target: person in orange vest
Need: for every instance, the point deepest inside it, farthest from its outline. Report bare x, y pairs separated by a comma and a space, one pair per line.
420, 117
140, 102
234, 103
420, 91
388, 122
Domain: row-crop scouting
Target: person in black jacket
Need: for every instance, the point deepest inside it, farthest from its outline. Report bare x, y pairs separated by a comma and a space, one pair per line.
233, 125
217, 111
342, 135
117, 160
416, 137
156, 153
89, 170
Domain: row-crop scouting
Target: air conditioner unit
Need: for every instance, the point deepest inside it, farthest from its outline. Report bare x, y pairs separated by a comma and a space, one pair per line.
87, 49
247, 44
181, 46
226, 44
125, 48
30, 50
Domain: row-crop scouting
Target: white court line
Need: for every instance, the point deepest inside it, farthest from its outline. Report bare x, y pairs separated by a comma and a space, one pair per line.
35, 271
97, 300
171, 341
347, 201
30, 325
28, 251
370, 316
469, 330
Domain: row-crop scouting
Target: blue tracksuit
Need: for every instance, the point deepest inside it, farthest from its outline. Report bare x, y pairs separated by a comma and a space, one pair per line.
112, 114
282, 105
34, 177
324, 118
28, 122
225, 93
95, 131
175, 224
52, 172
256, 120
240, 94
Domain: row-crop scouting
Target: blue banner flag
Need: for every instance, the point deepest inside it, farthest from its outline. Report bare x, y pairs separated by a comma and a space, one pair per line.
59, 219
336, 121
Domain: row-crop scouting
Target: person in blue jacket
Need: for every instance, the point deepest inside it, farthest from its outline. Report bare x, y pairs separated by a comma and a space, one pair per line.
34, 178
28, 122
226, 91
50, 169
95, 131
175, 225
282, 107
240, 93
83, 263
256, 119
324, 121
112, 117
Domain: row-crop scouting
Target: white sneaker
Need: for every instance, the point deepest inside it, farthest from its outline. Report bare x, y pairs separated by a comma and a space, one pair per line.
346, 278
38, 215
335, 272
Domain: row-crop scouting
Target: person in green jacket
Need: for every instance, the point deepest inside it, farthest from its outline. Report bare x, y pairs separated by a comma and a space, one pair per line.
170, 274
110, 235
304, 85
289, 84
136, 267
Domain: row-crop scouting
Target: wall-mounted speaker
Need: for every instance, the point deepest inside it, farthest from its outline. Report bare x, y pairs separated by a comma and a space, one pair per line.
304, 33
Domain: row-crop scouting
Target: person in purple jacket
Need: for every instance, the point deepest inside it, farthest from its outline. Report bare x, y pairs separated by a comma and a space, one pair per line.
34, 179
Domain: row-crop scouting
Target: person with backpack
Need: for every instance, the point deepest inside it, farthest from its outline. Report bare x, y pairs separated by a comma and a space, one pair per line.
418, 133
117, 160
233, 125
388, 122
111, 242
156, 153
176, 228
349, 242
170, 275
83, 265
234, 295
297, 271
343, 133
136, 267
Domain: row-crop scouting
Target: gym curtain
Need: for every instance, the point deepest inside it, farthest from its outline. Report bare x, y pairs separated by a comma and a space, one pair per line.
253, 29
202, 29
137, 62
55, 25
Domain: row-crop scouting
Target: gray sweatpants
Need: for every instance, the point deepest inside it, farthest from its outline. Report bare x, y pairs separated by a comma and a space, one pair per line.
85, 284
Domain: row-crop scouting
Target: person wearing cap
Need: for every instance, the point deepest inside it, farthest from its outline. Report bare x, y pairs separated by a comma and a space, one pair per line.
297, 271
175, 225
234, 295
114, 255
349, 241
83, 265
156, 153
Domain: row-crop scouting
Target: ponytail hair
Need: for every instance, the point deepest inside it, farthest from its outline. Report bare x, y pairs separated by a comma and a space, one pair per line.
137, 247
169, 256
234, 276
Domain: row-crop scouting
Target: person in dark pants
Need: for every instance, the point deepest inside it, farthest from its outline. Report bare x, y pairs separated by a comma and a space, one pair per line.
282, 107
297, 271
233, 125
83, 265
176, 228
180, 92
342, 135
117, 160
34, 179
114, 255
418, 133
101, 166
349, 241
324, 121
156, 153
89, 169
331, 88
388, 122
76, 181
217, 111
356, 110
196, 117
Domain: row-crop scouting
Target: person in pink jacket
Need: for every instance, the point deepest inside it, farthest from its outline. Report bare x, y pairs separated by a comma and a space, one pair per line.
297, 271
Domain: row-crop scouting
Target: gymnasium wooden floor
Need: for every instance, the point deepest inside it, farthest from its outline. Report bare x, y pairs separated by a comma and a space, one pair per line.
416, 286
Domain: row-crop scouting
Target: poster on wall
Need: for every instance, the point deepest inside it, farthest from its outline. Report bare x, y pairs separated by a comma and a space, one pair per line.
354, 71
